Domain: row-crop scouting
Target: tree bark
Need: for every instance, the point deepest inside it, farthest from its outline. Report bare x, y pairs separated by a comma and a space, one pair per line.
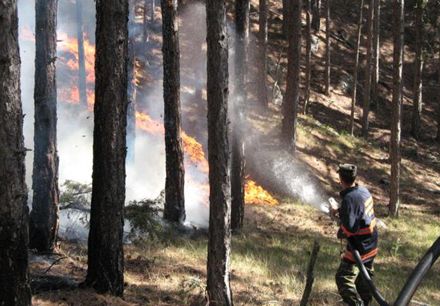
356, 67
82, 83
175, 174
438, 106
376, 54
219, 243
14, 238
263, 39
105, 252
308, 54
368, 70
316, 15
44, 216
291, 98
398, 34
418, 70
285, 24
238, 158
327, 48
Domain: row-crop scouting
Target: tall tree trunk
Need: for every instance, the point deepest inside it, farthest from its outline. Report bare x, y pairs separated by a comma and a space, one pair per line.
146, 37
14, 238
82, 84
308, 54
327, 48
438, 106
105, 253
238, 159
368, 70
356, 66
316, 15
175, 174
219, 243
285, 24
44, 215
291, 98
398, 34
417, 101
153, 10
262, 39
376, 54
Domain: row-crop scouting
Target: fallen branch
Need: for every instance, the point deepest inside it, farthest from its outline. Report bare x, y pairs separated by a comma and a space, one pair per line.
310, 277
54, 263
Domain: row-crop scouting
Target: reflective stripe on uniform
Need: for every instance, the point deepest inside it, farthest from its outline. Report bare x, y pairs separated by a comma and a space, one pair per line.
349, 255
363, 231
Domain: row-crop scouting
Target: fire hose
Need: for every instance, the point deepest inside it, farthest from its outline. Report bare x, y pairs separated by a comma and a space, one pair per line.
413, 281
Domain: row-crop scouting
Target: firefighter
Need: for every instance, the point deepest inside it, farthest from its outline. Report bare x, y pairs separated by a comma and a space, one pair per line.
358, 226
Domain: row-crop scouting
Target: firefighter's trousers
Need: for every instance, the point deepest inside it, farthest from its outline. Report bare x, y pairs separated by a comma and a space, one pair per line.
351, 285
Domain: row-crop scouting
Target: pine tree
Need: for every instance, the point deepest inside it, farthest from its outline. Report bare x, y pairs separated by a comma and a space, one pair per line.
327, 49
308, 54
398, 34
356, 66
14, 282
262, 40
44, 215
368, 71
219, 241
316, 15
291, 98
175, 173
105, 252
82, 82
238, 158
418, 70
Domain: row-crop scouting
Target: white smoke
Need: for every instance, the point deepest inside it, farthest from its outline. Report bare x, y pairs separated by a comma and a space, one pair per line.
146, 175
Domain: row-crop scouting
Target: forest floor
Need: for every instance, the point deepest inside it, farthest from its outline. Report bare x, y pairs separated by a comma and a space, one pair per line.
271, 253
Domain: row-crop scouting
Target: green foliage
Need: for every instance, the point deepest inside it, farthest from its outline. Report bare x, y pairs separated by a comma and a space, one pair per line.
144, 217
75, 195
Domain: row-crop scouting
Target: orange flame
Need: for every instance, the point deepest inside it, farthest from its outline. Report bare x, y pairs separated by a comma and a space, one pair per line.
255, 194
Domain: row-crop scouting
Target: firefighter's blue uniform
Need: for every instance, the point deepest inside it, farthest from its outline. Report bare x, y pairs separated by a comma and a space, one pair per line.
358, 226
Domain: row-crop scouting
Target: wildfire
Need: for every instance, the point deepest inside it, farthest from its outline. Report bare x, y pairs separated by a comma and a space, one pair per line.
68, 53
69, 63
255, 194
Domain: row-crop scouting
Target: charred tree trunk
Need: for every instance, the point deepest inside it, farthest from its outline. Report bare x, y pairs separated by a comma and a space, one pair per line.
14, 238
105, 253
316, 15
398, 34
308, 54
219, 243
417, 101
262, 38
327, 48
44, 216
368, 70
356, 67
175, 174
291, 98
82, 84
238, 159
376, 54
